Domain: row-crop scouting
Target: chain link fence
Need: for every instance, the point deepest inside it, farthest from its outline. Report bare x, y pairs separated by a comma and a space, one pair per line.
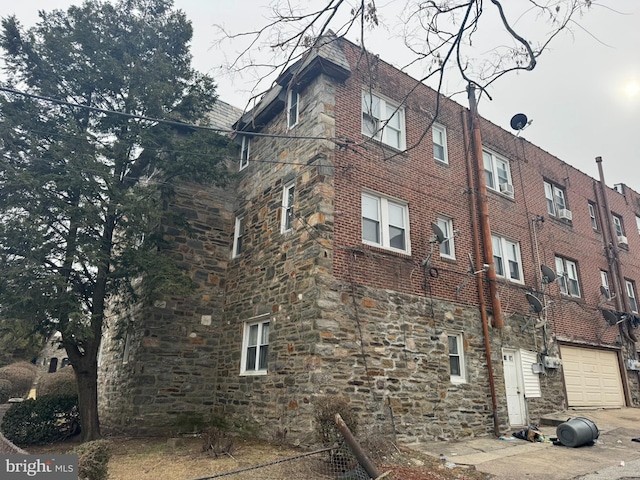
349, 460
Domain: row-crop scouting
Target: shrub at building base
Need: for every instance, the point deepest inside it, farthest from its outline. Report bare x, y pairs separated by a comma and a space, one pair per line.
325, 412
93, 460
5, 390
20, 376
59, 384
43, 420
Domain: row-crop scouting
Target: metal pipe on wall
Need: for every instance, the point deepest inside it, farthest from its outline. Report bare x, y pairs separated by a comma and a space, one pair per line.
479, 280
484, 208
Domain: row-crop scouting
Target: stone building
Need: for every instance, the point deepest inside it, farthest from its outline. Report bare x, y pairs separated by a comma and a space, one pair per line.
321, 272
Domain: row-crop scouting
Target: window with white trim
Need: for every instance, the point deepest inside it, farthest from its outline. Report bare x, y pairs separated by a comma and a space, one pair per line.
555, 199
506, 259
385, 223
457, 371
638, 223
567, 272
237, 237
245, 151
288, 194
447, 248
604, 282
293, 103
497, 173
592, 215
383, 120
618, 225
255, 348
440, 143
631, 294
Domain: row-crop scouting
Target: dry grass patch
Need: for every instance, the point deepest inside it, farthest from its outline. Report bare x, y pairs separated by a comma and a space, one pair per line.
155, 459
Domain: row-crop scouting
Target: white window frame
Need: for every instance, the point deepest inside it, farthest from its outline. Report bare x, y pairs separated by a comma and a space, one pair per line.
604, 281
260, 343
638, 223
237, 237
383, 127
567, 272
592, 215
447, 248
382, 206
288, 194
618, 225
245, 152
493, 178
293, 108
126, 351
458, 355
556, 199
631, 295
439, 134
509, 250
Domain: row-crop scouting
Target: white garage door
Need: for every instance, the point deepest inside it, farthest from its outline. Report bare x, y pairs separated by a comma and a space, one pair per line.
592, 377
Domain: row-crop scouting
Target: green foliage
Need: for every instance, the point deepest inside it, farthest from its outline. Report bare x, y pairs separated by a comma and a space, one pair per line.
20, 340
43, 420
93, 459
20, 377
325, 410
84, 193
58, 384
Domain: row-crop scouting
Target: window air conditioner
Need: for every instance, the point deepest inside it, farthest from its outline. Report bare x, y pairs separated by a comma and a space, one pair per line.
633, 364
565, 214
506, 188
622, 241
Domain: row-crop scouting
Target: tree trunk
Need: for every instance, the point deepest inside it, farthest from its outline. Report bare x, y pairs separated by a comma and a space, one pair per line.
87, 377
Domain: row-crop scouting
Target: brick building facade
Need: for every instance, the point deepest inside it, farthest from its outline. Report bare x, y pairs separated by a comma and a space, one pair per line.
321, 274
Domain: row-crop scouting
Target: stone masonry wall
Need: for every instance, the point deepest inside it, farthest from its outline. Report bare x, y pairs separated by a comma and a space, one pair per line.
276, 274
163, 370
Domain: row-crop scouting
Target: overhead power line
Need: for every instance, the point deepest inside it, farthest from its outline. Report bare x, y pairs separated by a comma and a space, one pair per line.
173, 123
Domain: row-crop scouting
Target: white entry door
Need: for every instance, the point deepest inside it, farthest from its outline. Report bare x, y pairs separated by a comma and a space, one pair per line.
513, 385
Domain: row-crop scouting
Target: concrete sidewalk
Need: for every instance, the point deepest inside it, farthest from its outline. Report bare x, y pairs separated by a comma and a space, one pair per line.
516, 459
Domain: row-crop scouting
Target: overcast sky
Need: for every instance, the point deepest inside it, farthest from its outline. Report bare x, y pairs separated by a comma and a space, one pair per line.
583, 96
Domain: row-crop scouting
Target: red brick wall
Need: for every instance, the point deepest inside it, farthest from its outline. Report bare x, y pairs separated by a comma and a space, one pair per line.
431, 188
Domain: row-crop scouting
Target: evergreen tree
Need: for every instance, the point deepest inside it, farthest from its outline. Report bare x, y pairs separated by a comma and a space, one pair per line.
83, 191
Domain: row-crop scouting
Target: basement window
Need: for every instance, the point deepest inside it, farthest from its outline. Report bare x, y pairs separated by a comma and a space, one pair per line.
456, 358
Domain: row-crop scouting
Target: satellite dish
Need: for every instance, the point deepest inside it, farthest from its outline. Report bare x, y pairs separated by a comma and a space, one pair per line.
605, 292
437, 231
610, 317
536, 305
519, 121
548, 275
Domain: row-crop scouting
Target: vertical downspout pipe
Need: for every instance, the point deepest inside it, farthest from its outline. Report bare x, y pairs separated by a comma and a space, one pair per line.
618, 278
616, 256
479, 280
484, 208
